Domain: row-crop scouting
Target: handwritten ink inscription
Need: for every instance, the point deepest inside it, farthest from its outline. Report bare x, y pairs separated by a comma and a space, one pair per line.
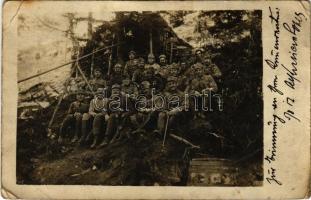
283, 105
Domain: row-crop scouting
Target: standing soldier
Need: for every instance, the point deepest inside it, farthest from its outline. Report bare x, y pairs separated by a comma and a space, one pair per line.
97, 81
97, 116
74, 116
163, 66
151, 63
130, 65
139, 72
116, 76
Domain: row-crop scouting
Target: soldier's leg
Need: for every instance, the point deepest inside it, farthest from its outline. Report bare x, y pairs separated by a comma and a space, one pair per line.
78, 126
65, 124
161, 122
85, 126
110, 128
98, 124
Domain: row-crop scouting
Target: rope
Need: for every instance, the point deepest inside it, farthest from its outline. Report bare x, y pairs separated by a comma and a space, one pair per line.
65, 64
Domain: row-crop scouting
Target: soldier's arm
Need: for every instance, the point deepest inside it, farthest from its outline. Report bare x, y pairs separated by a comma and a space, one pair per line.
216, 71
125, 71
91, 108
71, 109
212, 85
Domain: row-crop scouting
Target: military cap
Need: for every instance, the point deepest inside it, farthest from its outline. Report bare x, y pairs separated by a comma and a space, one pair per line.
150, 55
100, 90
145, 84
118, 65
198, 65
162, 56
132, 52
97, 69
116, 86
140, 60
172, 79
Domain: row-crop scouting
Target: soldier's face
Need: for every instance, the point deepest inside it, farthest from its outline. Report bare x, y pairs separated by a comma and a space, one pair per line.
199, 71
80, 97
97, 74
126, 82
117, 69
135, 62
174, 71
131, 56
150, 60
141, 64
162, 61
172, 86
147, 90
115, 91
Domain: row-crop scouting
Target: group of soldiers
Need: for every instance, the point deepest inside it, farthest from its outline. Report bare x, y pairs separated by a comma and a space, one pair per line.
99, 122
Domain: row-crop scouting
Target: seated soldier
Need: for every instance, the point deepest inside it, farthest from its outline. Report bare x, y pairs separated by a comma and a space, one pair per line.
130, 65
175, 106
201, 82
129, 88
144, 112
116, 75
97, 116
151, 63
119, 108
74, 117
156, 81
138, 74
97, 81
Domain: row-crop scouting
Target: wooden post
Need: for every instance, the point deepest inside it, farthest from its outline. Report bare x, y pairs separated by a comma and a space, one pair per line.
150, 42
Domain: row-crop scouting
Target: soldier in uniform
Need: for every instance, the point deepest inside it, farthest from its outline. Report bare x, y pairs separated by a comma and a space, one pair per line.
163, 66
175, 106
156, 81
130, 65
97, 116
145, 114
151, 63
116, 76
201, 81
97, 81
129, 88
211, 68
174, 71
74, 117
139, 72
119, 109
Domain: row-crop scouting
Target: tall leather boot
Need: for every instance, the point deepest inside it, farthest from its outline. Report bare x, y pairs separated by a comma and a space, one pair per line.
93, 145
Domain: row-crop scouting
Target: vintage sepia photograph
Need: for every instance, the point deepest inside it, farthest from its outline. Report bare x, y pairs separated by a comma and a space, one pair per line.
140, 98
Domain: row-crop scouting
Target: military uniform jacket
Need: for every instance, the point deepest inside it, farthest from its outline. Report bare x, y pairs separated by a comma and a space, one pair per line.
78, 107
97, 83
202, 83
129, 68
